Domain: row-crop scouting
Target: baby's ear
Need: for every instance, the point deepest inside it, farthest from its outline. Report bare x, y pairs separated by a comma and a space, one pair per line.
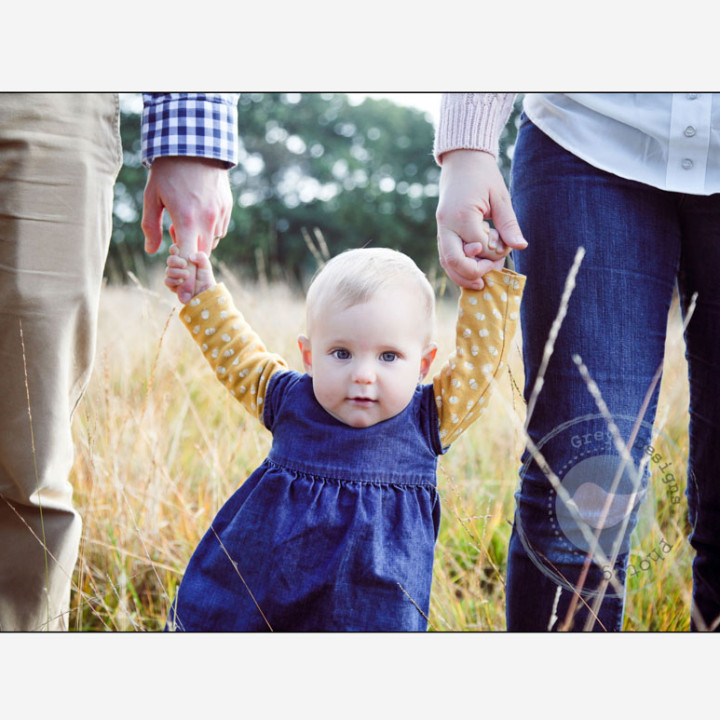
427, 360
304, 345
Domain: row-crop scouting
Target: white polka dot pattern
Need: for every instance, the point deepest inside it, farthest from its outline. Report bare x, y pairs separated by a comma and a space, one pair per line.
222, 333
461, 387
486, 324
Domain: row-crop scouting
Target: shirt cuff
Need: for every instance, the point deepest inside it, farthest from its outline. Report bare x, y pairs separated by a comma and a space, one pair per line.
471, 121
190, 125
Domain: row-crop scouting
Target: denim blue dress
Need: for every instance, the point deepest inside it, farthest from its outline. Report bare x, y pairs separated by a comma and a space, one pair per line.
335, 531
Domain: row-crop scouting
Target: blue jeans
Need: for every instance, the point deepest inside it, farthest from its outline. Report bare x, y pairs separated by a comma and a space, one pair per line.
571, 549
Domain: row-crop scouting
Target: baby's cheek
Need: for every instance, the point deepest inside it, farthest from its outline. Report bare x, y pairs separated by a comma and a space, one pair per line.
323, 391
400, 394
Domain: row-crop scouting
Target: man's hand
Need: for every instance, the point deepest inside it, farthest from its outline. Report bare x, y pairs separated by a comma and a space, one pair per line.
472, 190
196, 194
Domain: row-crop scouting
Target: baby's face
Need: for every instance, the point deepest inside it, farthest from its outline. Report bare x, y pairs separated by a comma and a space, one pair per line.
366, 360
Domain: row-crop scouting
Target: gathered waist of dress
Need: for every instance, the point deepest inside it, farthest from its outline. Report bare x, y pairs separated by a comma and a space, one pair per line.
353, 473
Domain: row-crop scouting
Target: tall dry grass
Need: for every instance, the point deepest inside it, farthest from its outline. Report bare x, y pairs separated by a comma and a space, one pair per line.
160, 445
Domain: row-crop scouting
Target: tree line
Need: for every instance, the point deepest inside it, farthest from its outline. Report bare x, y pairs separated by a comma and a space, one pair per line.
314, 170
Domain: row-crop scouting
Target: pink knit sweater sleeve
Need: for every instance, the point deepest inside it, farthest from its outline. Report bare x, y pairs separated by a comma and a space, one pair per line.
471, 121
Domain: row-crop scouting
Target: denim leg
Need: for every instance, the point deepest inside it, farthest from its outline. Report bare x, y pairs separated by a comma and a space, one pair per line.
700, 260
615, 323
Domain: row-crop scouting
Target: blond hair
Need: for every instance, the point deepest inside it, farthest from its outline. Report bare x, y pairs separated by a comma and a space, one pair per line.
354, 276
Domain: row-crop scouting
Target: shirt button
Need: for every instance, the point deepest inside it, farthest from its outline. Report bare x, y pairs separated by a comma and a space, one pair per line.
692, 96
689, 131
687, 164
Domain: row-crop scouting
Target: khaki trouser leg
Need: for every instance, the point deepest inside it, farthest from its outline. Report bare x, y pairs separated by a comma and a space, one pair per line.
59, 156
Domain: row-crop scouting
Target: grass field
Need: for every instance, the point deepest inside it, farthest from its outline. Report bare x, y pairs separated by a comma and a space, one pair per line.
160, 445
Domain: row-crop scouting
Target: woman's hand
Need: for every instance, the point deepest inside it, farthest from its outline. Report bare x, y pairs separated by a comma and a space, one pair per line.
472, 191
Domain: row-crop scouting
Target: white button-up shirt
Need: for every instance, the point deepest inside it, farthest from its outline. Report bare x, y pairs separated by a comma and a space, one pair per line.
668, 140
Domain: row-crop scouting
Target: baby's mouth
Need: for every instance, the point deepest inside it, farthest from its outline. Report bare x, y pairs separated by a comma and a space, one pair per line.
362, 400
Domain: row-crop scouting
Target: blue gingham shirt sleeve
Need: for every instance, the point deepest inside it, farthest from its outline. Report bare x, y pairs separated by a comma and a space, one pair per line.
190, 125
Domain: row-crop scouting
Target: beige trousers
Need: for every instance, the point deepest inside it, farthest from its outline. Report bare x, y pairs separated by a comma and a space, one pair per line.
59, 157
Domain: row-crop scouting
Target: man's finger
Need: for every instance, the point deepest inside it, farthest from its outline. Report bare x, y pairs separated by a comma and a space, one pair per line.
152, 223
187, 244
204, 236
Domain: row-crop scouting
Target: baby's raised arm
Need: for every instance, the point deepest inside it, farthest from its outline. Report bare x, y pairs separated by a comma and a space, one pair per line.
233, 349
487, 321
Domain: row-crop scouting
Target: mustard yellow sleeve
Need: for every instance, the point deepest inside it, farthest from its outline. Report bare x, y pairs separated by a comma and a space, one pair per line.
232, 347
486, 323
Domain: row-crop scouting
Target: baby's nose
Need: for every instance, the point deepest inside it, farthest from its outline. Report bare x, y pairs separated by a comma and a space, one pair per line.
363, 372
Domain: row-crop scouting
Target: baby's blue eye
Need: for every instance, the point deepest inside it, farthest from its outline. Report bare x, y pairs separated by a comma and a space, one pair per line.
341, 354
388, 356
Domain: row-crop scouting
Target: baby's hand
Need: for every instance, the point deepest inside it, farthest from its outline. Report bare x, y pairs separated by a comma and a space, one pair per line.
489, 255
177, 271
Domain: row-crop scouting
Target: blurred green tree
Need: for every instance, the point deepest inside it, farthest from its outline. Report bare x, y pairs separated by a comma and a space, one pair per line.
359, 174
